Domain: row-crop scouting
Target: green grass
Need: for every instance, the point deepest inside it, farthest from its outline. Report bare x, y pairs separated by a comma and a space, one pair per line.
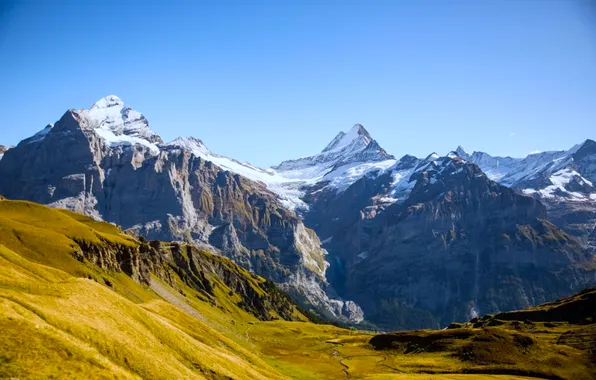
59, 319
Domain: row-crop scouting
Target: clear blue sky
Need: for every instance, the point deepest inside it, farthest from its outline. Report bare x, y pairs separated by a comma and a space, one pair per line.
264, 81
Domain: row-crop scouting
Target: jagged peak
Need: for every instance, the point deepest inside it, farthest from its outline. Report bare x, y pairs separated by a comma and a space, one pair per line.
586, 148
356, 134
589, 143
190, 144
461, 152
432, 156
108, 101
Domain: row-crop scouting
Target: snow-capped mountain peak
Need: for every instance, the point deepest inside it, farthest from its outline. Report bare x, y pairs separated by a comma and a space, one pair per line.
109, 118
353, 146
116, 122
108, 101
460, 151
119, 125
357, 135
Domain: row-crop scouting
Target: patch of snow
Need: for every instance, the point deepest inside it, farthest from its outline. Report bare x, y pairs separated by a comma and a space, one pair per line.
342, 140
342, 177
401, 186
287, 189
559, 180
114, 140
41, 134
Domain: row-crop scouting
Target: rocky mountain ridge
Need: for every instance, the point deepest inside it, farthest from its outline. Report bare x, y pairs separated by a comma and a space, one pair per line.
433, 240
376, 216
107, 163
562, 180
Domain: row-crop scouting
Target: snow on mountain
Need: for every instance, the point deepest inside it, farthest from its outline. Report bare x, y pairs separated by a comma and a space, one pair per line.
116, 123
40, 135
342, 177
356, 145
562, 181
119, 124
556, 174
348, 157
495, 168
401, 174
287, 189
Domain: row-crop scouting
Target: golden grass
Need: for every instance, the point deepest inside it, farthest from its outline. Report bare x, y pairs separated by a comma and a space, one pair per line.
55, 322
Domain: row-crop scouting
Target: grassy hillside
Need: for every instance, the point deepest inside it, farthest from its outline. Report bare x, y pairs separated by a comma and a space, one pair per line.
79, 299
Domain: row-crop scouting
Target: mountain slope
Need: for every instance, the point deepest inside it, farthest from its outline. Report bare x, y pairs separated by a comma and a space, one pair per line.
107, 163
79, 294
562, 180
71, 306
431, 241
524, 342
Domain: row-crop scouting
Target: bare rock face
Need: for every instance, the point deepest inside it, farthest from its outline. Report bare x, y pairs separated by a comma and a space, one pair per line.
457, 245
3, 149
107, 163
564, 181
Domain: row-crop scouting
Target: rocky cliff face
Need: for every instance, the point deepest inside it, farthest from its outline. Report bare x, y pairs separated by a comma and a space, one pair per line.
3, 149
432, 241
562, 180
107, 163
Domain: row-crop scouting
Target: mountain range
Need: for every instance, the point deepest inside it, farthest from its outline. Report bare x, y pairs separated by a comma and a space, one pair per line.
351, 232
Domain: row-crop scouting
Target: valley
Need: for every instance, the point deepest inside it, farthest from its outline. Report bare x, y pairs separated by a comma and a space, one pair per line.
82, 299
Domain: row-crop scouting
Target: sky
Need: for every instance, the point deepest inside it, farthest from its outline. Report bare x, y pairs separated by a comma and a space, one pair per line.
265, 81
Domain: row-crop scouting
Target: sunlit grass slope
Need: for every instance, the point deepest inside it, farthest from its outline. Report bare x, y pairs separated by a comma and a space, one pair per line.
64, 315
57, 325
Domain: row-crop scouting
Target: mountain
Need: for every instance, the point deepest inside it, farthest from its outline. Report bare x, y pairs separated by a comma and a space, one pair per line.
433, 240
350, 232
562, 180
354, 146
3, 149
107, 163
82, 299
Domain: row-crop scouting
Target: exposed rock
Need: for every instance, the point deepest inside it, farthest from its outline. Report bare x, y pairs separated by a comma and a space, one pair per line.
456, 245
562, 180
105, 162
3, 149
